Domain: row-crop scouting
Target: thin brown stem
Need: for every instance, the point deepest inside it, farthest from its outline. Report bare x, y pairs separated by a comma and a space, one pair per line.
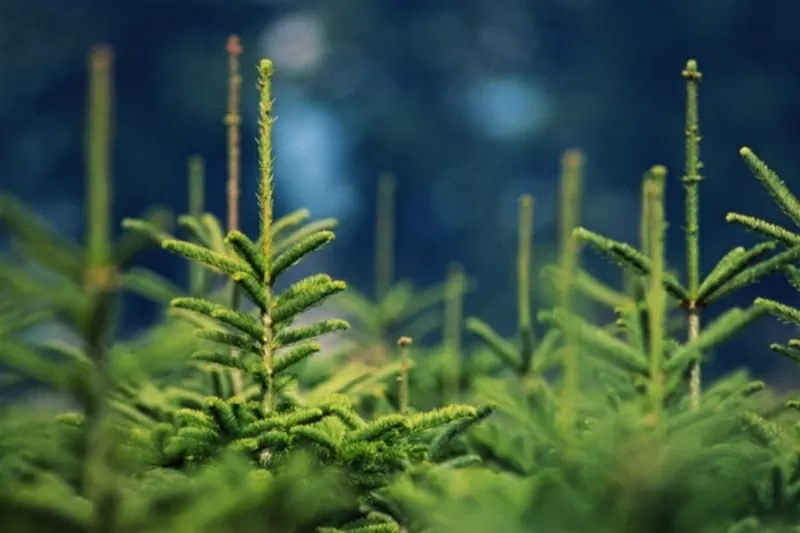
695, 379
233, 121
404, 343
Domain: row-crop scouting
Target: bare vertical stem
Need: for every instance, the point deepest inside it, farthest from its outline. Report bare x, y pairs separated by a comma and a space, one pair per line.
101, 287
197, 274
404, 343
197, 185
524, 280
695, 377
98, 143
644, 221
233, 121
569, 218
571, 177
691, 181
265, 121
656, 293
384, 236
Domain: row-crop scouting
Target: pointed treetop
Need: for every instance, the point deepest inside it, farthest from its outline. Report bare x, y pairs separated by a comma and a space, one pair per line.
691, 71
265, 68
572, 158
658, 172
101, 56
234, 46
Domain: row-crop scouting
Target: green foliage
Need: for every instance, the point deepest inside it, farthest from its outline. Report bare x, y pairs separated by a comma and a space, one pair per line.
227, 416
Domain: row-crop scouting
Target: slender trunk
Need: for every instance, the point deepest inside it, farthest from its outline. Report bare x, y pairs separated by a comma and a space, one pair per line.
694, 377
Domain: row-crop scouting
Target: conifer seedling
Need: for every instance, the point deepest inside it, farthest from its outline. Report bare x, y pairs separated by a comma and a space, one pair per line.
736, 269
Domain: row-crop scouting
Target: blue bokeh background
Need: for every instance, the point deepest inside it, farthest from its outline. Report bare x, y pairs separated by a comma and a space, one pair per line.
469, 102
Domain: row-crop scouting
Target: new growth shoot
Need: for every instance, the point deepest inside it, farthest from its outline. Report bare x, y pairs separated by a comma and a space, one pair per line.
265, 202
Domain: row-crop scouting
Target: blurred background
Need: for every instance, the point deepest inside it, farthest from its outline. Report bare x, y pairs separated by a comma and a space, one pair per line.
470, 103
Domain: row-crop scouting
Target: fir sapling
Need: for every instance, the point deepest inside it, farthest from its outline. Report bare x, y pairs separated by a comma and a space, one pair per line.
737, 268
